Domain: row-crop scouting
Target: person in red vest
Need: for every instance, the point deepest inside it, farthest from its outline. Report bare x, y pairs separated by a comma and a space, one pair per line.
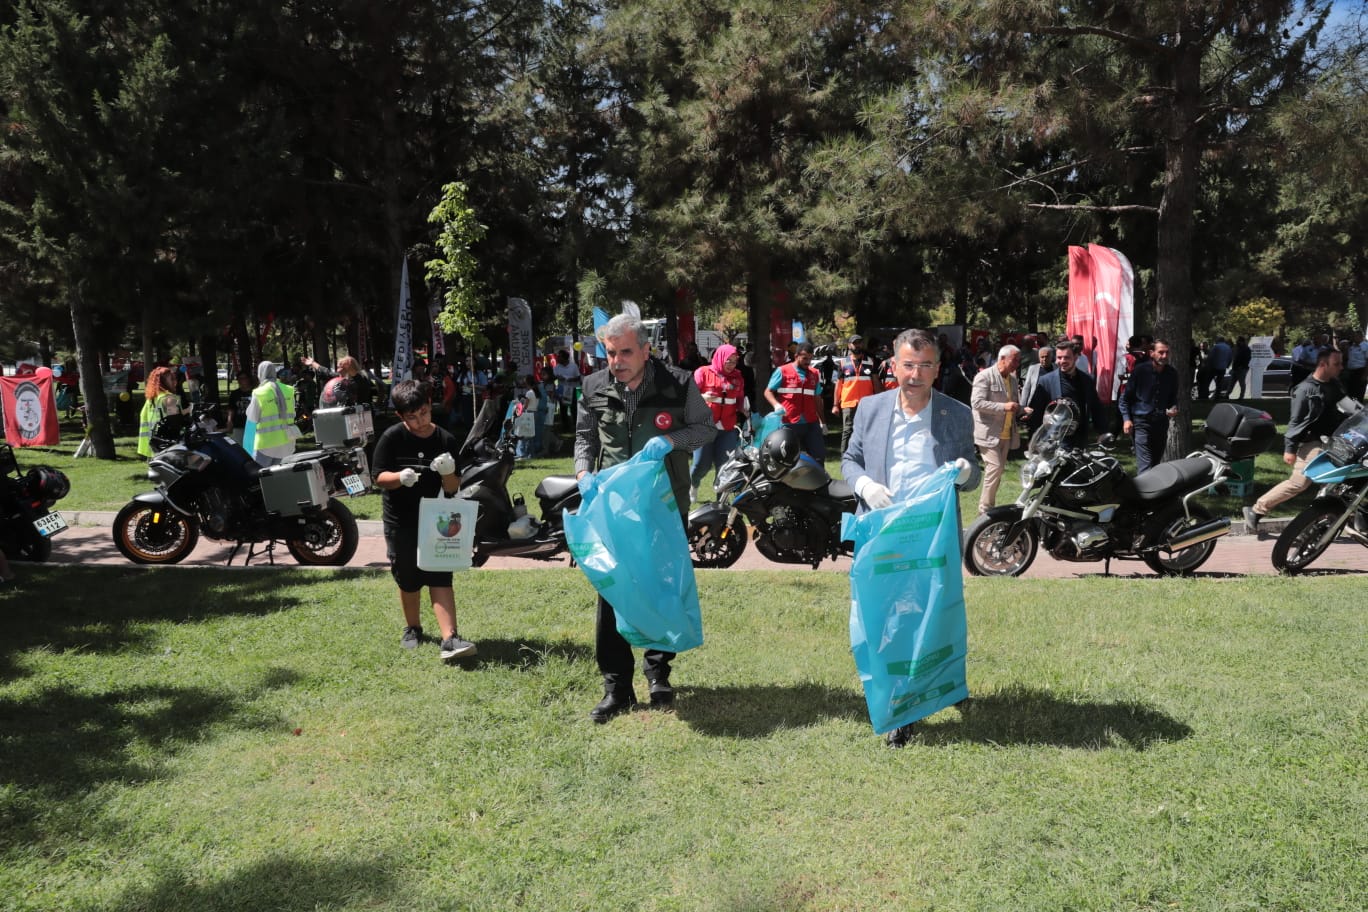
854, 381
796, 389
723, 389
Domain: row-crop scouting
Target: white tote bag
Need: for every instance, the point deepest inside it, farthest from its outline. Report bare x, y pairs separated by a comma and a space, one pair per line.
446, 533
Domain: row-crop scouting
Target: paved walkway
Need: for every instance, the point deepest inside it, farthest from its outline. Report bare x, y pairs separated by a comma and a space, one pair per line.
88, 541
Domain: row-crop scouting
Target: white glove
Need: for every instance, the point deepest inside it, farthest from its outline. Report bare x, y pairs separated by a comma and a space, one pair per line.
444, 464
876, 496
408, 477
965, 470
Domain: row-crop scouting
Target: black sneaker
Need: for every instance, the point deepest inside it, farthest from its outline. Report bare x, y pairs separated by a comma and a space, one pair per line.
614, 703
662, 694
453, 647
411, 638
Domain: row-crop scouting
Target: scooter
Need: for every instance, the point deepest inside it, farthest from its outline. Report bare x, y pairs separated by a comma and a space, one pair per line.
485, 463
1341, 506
27, 520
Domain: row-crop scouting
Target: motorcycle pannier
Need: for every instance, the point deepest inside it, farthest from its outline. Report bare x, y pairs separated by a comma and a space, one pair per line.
344, 426
1238, 431
290, 487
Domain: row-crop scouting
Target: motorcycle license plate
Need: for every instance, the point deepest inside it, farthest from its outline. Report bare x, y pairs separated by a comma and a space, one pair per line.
50, 525
353, 484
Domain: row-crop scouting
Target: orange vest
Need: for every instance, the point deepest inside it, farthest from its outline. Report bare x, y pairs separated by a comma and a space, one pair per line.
723, 395
853, 382
799, 394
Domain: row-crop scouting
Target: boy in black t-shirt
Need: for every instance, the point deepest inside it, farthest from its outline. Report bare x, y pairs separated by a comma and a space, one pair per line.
416, 459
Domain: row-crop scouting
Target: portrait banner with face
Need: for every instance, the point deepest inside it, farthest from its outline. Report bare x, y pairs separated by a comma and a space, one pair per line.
30, 409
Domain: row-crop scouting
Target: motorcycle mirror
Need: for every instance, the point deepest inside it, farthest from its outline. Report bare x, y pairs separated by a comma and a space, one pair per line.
1348, 405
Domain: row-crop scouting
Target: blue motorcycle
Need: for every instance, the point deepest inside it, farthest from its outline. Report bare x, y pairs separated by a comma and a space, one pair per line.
1339, 508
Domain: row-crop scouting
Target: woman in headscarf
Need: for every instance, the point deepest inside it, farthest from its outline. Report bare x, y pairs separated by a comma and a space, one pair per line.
723, 389
161, 399
272, 411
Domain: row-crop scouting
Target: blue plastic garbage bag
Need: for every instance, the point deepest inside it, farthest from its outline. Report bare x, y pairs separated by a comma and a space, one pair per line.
628, 540
763, 427
908, 630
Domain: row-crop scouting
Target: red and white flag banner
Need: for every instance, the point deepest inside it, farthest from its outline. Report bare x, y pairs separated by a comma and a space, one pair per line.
30, 408
1101, 310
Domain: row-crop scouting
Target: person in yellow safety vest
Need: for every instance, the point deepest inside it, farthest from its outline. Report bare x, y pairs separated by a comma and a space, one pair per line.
161, 400
273, 411
854, 381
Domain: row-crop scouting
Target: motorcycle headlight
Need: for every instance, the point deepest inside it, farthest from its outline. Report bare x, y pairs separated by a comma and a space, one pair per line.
1028, 471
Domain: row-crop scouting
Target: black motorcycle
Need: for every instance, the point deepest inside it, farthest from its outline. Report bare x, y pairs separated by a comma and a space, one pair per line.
794, 506
27, 520
207, 483
485, 463
1082, 506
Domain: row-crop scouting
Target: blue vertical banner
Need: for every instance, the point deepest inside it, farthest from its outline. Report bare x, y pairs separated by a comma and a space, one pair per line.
600, 320
908, 630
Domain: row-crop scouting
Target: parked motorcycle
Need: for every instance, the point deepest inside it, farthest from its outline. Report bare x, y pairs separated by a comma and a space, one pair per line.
485, 463
1082, 506
27, 520
794, 506
1341, 506
207, 483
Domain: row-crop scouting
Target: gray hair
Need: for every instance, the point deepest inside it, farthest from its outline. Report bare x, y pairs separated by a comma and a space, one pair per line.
1007, 351
919, 339
624, 324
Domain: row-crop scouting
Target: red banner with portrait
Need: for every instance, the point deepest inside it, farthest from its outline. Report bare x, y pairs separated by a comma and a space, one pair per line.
30, 408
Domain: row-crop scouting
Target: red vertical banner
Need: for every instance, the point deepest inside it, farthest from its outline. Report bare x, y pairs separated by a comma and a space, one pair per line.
1081, 315
685, 331
30, 407
781, 334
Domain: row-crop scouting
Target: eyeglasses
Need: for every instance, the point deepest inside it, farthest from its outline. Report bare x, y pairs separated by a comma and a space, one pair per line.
922, 366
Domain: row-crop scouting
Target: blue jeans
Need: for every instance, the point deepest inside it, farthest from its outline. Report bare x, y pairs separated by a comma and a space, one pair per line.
713, 455
1150, 434
811, 439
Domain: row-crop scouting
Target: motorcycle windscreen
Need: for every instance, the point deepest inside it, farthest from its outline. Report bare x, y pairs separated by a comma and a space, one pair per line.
908, 630
1349, 443
1061, 420
485, 427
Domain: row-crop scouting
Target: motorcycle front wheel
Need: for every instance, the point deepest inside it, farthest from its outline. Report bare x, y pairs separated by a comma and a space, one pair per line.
1185, 562
327, 538
987, 553
1300, 543
711, 549
147, 534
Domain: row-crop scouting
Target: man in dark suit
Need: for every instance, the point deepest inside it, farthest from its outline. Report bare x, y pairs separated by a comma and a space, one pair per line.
1068, 382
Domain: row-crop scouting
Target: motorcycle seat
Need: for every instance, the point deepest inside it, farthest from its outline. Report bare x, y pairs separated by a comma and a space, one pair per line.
1169, 478
555, 487
839, 490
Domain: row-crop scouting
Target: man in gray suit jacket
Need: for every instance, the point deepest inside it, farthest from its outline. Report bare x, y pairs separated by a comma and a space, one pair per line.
996, 409
905, 434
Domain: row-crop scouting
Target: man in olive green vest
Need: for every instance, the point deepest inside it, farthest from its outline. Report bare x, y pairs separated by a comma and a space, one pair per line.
635, 398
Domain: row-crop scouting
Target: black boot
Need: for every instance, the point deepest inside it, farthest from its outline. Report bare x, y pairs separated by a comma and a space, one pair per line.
662, 694
899, 737
614, 703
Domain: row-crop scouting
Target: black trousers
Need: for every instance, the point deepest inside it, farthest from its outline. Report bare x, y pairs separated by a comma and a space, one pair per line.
614, 653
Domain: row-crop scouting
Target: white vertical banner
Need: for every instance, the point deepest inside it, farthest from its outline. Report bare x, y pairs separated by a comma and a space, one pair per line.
521, 348
402, 369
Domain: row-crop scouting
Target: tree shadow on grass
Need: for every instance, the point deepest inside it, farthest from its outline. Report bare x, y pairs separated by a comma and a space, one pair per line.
1024, 716
1014, 716
109, 609
283, 884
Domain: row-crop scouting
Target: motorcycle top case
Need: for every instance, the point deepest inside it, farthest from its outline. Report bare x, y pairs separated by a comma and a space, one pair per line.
1238, 431
290, 487
344, 426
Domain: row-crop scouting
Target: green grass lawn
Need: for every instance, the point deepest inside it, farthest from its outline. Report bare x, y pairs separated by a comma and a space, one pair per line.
215, 739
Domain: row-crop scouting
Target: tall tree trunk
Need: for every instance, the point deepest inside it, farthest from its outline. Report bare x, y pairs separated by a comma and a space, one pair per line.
92, 382
1173, 307
149, 353
759, 303
208, 349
